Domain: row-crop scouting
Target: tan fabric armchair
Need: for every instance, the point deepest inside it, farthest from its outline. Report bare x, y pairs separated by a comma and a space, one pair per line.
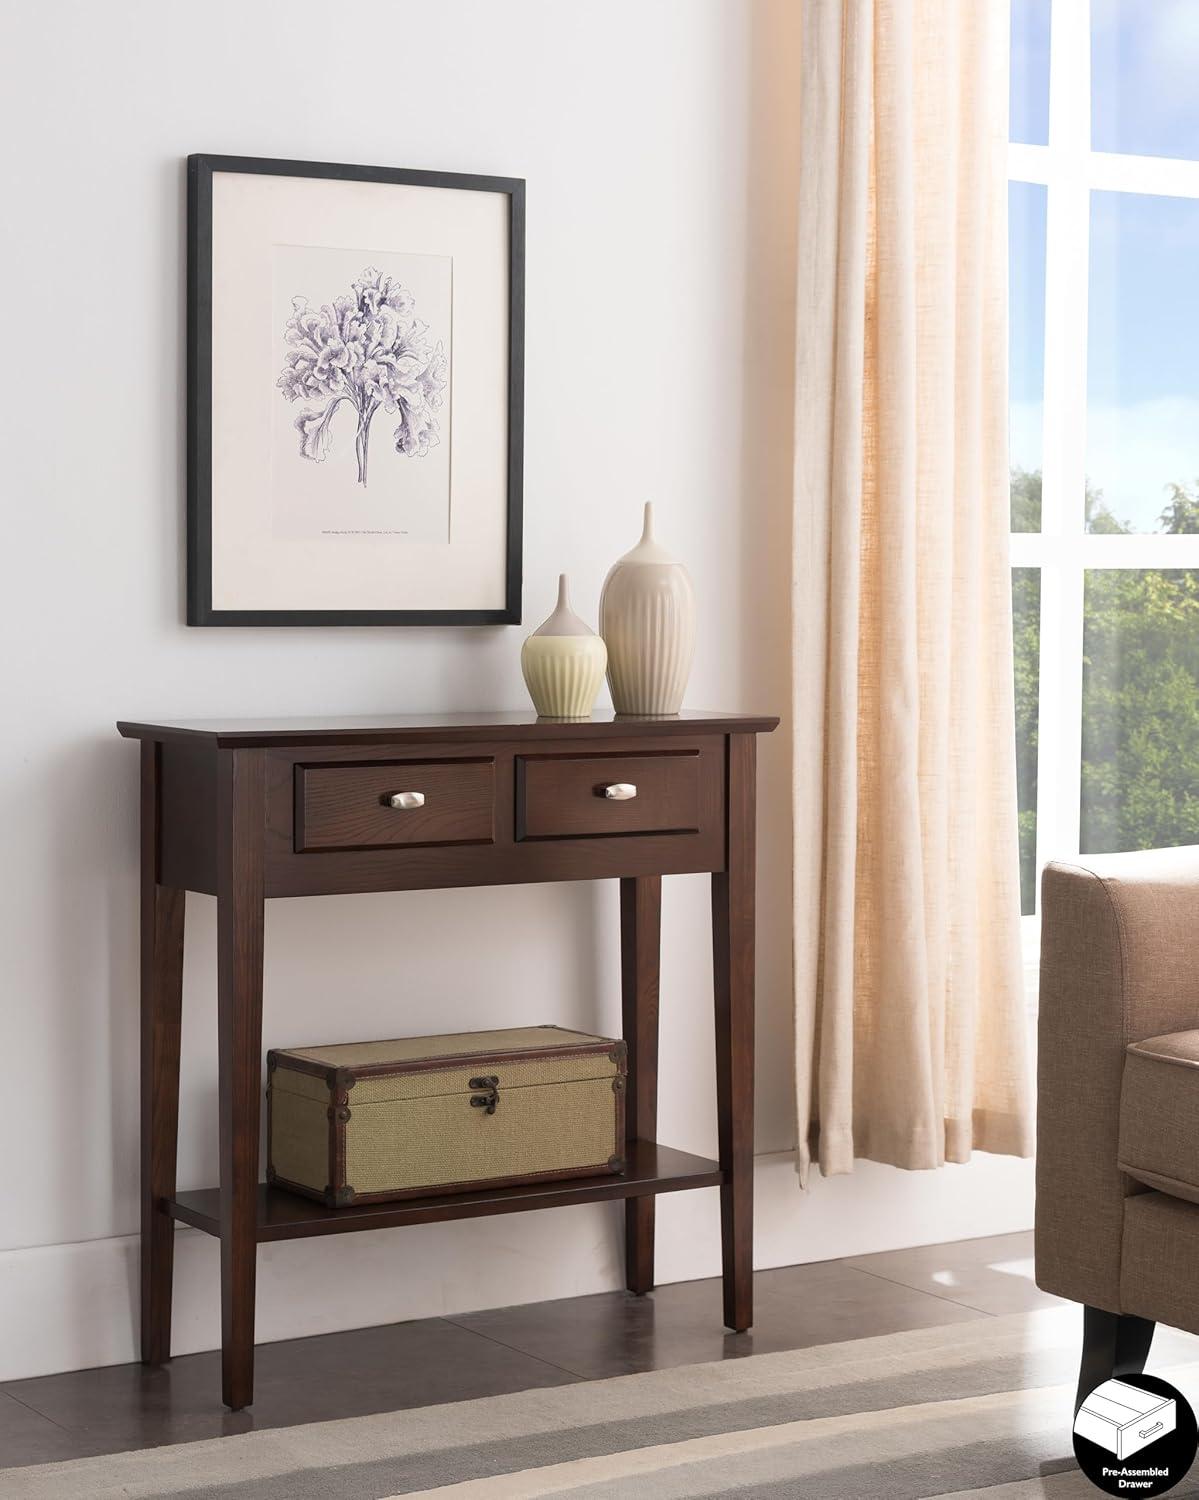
1117, 1221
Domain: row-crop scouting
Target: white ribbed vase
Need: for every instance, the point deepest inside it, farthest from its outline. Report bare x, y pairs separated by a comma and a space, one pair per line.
647, 620
563, 662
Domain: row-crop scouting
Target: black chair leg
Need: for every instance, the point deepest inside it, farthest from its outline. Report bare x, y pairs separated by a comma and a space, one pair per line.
1112, 1344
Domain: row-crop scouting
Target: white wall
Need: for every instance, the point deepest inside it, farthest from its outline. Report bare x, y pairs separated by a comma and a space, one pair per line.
657, 137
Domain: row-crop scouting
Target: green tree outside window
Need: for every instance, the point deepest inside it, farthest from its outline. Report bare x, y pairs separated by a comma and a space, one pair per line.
1140, 730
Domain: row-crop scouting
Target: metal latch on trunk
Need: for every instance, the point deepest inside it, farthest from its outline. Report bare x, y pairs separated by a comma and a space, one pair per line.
486, 1093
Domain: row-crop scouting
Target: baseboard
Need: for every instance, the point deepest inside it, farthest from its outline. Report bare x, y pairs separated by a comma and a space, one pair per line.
71, 1307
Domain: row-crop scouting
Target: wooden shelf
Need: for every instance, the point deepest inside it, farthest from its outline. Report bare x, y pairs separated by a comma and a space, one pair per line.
287, 1216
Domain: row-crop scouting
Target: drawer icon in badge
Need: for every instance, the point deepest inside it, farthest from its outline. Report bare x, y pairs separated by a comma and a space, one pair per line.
1123, 1419
1135, 1435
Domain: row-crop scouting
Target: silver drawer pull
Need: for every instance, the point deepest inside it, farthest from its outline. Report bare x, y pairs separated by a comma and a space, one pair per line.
406, 800
620, 791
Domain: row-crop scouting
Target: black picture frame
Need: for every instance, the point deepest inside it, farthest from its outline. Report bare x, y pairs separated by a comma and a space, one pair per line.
200, 170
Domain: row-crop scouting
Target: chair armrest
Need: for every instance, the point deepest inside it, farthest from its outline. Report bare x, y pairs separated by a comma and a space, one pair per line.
1119, 962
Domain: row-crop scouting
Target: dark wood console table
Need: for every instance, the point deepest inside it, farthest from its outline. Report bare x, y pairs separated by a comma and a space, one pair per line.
247, 810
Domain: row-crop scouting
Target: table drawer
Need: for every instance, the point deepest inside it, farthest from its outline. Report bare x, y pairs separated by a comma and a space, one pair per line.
595, 796
435, 802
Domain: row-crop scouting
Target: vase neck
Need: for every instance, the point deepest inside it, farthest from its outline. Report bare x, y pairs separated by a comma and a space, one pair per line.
564, 621
648, 549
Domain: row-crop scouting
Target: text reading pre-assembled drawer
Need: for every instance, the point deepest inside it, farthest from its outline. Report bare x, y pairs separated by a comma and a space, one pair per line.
395, 804
577, 796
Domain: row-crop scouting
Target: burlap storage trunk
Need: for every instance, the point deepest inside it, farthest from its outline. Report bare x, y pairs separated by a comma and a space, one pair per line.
367, 1121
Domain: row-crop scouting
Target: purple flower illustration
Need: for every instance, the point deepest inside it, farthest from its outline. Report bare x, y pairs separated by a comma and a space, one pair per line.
372, 351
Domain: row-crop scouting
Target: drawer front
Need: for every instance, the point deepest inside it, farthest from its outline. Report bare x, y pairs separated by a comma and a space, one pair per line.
351, 806
574, 796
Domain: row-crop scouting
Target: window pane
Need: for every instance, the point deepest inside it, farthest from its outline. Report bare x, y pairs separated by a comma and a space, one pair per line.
1140, 732
1144, 56
1026, 642
1026, 341
1029, 93
1142, 388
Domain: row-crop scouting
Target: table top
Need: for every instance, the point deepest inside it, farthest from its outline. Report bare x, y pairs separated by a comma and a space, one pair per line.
514, 724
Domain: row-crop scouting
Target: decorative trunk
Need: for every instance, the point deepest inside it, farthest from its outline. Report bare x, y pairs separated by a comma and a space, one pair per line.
370, 1121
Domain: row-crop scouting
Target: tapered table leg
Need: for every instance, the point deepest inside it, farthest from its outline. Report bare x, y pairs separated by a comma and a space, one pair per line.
161, 1009
240, 824
733, 976
640, 945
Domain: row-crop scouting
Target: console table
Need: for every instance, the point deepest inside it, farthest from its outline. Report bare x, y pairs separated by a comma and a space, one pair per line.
249, 809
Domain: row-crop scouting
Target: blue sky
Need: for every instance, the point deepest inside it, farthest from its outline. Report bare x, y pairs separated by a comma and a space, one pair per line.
1144, 55
1142, 375
1027, 203
1030, 72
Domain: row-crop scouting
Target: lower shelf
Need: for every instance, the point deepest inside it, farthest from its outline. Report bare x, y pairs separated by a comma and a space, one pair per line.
286, 1216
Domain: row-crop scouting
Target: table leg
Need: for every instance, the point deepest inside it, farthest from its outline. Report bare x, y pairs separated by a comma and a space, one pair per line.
161, 1011
240, 824
733, 984
640, 945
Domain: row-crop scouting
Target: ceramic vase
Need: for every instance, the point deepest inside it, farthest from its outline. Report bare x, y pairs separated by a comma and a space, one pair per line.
647, 620
563, 662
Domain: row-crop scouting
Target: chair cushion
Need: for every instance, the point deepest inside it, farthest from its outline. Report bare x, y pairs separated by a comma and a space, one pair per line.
1159, 1113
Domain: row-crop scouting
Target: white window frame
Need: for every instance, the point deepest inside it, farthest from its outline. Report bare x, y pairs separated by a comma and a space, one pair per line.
1062, 550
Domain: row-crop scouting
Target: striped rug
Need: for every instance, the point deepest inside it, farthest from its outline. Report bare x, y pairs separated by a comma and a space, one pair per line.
975, 1408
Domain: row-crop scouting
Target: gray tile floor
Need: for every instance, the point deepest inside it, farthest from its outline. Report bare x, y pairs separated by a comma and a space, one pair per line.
513, 1348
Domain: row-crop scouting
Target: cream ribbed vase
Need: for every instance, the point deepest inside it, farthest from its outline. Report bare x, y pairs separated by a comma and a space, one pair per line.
647, 620
563, 662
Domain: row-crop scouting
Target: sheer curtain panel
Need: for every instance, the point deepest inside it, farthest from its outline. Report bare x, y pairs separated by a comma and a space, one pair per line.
910, 1025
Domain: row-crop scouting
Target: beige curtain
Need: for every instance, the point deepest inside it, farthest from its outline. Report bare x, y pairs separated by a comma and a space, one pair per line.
910, 1028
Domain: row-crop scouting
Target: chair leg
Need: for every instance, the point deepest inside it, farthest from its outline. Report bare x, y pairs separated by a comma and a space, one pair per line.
1112, 1344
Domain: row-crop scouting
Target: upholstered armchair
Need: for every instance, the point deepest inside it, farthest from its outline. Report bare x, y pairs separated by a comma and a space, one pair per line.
1117, 1222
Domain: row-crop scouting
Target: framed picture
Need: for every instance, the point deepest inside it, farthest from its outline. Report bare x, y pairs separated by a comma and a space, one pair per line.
355, 395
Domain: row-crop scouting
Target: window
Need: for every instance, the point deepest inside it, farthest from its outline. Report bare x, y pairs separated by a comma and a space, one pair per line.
1104, 245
